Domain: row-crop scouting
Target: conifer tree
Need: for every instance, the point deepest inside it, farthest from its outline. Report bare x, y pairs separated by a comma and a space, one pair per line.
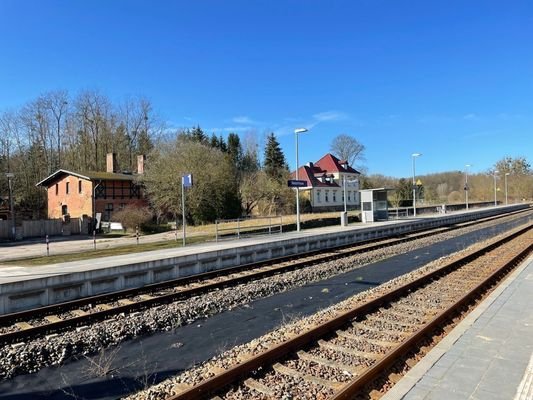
235, 150
275, 165
198, 135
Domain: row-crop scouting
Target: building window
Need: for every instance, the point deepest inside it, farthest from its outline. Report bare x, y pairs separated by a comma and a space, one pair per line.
349, 196
57, 189
67, 188
318, 196
327, 196
343, 196
334, 196
64, 209
108, 211
79, 186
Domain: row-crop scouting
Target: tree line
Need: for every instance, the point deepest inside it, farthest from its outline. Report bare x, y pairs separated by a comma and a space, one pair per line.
229, 179
59, 131
56, 131
450, 187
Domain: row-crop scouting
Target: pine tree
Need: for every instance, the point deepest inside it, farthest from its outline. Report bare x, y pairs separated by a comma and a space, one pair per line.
222, 144
275, 164
235, 149
198, 135
214, 142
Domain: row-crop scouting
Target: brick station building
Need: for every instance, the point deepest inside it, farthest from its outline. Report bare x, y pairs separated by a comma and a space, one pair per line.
88, 194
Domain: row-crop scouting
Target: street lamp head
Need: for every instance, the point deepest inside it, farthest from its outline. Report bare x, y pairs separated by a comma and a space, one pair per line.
507, 173
300, 130
10, 175
496, 171
416, 154
468, 165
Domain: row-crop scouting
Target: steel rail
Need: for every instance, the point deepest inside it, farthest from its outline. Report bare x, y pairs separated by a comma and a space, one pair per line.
280, 351
331, 254
391, 357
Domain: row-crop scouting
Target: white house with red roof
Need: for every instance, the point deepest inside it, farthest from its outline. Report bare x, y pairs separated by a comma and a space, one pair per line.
325, 184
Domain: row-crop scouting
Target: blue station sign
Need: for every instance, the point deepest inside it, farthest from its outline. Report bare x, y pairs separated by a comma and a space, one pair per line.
186, 180
296, 183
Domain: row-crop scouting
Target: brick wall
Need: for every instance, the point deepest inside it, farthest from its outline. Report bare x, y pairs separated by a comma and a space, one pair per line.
78, 202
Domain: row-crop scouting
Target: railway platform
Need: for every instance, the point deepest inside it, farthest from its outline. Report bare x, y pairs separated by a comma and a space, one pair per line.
488, 356
24, 288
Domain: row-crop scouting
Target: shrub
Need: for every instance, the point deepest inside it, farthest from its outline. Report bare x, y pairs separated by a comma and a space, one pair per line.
132, 216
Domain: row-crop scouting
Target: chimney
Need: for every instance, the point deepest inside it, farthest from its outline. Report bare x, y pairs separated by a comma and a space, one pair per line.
140, 163
111, 162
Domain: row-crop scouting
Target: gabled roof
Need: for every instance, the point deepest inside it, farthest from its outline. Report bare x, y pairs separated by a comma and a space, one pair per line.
90, 176
327, 165
307, 173
330, 163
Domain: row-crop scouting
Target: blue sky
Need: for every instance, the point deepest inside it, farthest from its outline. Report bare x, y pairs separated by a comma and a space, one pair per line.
450, 79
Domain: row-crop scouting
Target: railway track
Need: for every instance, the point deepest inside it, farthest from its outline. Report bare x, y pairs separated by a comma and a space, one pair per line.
78, 314
337, 359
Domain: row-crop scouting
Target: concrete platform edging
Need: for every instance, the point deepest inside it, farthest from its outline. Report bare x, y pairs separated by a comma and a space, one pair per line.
429, 366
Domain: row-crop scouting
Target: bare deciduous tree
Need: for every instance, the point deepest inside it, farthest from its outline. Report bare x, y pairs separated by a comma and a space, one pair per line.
347, 148
56, 103
134, 117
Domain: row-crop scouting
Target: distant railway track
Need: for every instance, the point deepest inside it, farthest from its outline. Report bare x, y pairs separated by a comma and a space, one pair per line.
343, 356
24, 325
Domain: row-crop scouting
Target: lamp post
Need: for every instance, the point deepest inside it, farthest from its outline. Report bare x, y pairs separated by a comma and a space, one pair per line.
495, 194
466, 184
344, 193
10, 176
344, 188
506, 199
94, 206
414, 155
296, 132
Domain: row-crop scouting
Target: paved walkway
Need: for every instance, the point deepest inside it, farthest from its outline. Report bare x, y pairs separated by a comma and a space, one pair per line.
488, 356
9, 273
76, 244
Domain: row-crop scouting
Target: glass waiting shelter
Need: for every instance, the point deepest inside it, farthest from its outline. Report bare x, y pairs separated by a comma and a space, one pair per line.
374, 205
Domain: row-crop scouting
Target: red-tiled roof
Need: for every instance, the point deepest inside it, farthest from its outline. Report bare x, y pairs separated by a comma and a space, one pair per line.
330, 163
327, 165
309, 174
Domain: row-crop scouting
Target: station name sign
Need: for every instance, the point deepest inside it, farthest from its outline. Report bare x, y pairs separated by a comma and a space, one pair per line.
296, 183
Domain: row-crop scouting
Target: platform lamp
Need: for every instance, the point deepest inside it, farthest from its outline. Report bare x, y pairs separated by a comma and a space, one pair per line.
466, 184
495, 194
414, 156
506, 199
10, 176
296, 133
